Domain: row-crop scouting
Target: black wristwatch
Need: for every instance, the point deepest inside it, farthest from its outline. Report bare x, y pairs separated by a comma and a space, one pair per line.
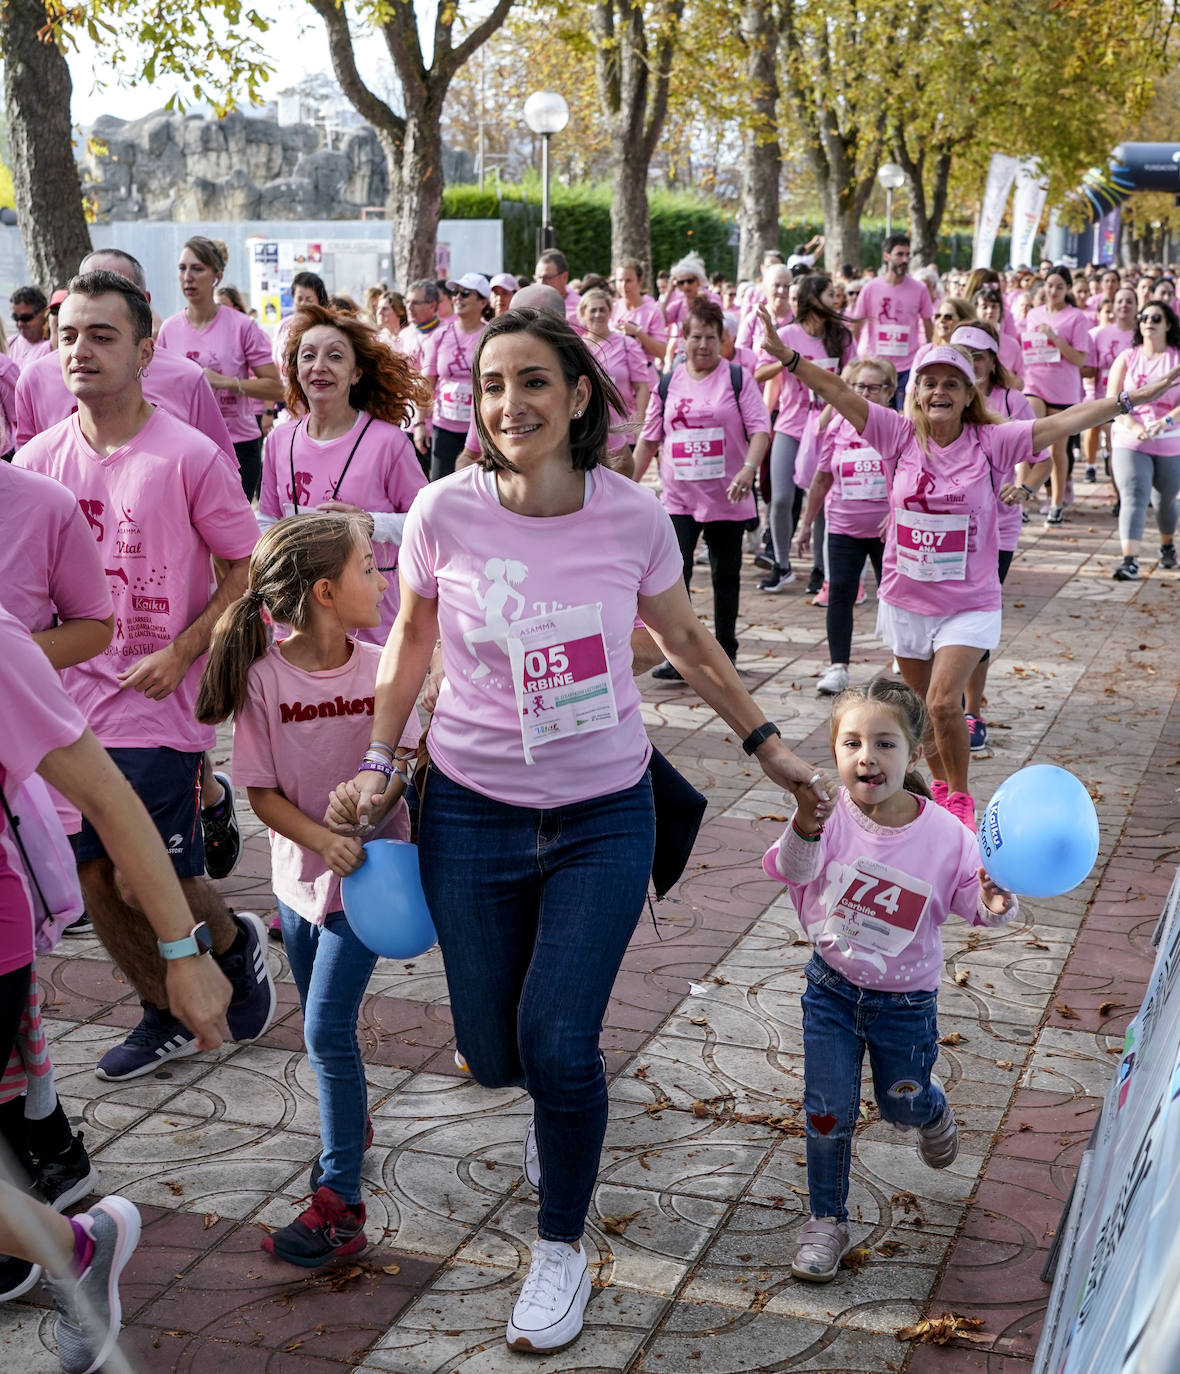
759, 736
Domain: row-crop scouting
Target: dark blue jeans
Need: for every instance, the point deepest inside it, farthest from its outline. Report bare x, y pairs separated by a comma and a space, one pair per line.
841, 1020
534, 910
331, 969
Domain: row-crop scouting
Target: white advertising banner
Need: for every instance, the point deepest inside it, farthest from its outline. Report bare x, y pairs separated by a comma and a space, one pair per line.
1001, 173
1113, 1302
1028, 203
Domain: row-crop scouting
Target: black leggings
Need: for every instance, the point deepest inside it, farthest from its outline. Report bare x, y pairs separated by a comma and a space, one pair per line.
445, 447
249, 456
723, 539
846, 556
14, 997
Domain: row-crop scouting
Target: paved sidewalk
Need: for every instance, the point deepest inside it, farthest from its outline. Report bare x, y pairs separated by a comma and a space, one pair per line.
702, 1185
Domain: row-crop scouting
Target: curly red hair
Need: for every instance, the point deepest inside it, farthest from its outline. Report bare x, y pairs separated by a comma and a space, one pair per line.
388, 384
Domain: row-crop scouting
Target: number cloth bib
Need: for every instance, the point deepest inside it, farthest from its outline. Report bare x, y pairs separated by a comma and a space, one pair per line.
698, 455
932, 548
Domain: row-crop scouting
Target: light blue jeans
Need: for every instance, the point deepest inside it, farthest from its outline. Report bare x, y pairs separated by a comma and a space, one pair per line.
332, 969
841, 1020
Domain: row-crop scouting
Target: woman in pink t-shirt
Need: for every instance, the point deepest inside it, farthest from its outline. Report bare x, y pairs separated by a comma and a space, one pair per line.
818, 331
537, 826
299, 707
1146, 456
232, 349
1055, 338
446, 362
626, 364
350, 452
990, 308
637, 315
1110, 338
949, 465
711, 430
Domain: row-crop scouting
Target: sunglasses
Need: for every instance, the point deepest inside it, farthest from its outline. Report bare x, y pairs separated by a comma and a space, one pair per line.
1143, 319
463, 293
947, 317
686, 281
23, 319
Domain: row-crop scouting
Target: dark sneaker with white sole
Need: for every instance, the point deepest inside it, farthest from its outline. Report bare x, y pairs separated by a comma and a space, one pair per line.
66, 1178
252, 1008
1127, 570
329, 1229
220, 832
158, 1038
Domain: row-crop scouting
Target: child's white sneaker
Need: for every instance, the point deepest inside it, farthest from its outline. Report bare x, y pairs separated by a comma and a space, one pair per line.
548, 1313
938, 1144
823, 1243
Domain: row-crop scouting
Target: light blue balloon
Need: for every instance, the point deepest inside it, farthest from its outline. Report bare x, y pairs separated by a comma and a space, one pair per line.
1039, 833
385, 904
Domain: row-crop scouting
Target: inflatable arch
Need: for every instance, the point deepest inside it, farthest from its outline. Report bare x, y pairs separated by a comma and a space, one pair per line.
1133, 167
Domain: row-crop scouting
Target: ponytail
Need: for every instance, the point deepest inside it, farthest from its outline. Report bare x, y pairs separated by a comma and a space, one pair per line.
915, 782
240, 638
292, 556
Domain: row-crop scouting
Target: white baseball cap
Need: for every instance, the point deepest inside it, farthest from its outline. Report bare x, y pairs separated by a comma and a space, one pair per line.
472, 281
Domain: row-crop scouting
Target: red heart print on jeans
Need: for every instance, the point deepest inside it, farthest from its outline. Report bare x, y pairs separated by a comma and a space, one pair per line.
825, 1124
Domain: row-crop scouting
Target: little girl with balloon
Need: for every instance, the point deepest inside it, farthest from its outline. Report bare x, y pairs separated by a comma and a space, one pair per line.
300, 708
873, 874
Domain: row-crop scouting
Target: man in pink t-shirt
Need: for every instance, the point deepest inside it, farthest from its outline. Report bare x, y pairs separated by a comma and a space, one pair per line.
893, 315
29, 308
553, 270
161, 500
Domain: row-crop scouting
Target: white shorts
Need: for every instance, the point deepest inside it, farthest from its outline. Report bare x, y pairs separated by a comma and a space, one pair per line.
911, 635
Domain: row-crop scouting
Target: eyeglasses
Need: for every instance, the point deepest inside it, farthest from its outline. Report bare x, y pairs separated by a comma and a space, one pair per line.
685, 281
23, 319
947, 316
1143, 319
870, 388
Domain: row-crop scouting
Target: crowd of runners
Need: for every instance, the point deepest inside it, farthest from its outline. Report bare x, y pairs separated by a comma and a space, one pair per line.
423, 550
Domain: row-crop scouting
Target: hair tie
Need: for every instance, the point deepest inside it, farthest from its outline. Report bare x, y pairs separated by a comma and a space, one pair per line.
255, 597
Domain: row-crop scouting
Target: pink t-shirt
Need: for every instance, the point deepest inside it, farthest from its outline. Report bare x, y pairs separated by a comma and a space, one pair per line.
495, 572
572, 301
48, 558
875, 910
857, 504
678, 306
158, 507
749, 333
1109, 342
794, 399
628, 366
647, 315
178, 385
1011, 405
701, 430
373, 467
41, 718
9, 376
893, 316
1142, 371
298, 732
446, 359
1010, 354
22, 352
945, 513
231, 343
1055, 380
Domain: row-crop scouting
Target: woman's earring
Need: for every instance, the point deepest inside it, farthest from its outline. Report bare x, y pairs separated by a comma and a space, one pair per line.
578, 414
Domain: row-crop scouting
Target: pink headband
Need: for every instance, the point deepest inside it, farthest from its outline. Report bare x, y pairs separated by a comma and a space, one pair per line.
970, 337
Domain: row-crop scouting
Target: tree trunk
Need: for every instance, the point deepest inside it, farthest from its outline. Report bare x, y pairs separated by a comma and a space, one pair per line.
630, 218
925, 212
415, 198
841, 226
37, 94
761, 155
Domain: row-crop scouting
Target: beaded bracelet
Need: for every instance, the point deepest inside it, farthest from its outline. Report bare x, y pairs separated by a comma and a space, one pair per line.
368, 765
811, 839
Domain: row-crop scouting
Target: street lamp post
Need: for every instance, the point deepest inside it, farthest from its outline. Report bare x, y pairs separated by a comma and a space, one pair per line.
890, 176
546, 113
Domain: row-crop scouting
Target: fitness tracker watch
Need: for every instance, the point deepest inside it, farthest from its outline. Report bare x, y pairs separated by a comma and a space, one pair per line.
760, 736
197, 941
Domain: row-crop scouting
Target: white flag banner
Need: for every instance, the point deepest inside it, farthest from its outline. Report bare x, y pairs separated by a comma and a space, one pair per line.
1001, 173
1027, 205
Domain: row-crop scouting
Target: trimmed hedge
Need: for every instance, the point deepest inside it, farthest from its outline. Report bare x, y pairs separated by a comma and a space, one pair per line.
681, 222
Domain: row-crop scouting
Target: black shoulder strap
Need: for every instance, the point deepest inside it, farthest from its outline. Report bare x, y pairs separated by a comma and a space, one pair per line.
736, 380
31, 872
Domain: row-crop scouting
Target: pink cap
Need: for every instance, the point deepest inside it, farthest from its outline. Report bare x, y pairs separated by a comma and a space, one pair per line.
967, 336
943, 353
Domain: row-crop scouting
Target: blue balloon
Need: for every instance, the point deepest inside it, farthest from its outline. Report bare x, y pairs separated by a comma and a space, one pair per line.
385, 904
1039, 834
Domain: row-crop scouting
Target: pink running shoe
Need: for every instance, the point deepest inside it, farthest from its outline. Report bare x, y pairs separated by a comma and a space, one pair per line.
821, 597
962, 805
938, 790
860, 594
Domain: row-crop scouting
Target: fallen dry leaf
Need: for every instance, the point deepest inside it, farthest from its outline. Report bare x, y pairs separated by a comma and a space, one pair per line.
1003, 1063
391, 1269
855, 1260
617, 1226
889, 1248
211, 1219
1036, 944
940, 1330
954, 1038
698, 1020
176, 1189
1065, 1010
1105, 1008
962, 976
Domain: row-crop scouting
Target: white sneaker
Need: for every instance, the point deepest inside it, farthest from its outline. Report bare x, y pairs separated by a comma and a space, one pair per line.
833, 681
530, 1156
548, 1314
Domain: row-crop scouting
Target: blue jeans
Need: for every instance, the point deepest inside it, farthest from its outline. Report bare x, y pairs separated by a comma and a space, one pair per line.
331, 969
898, 402
534, 910
900, 1030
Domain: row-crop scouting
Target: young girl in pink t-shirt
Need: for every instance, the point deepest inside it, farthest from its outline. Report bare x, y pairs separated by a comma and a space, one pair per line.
873, 875
300, 708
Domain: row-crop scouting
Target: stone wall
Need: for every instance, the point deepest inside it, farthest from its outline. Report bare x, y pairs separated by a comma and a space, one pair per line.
194, 168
